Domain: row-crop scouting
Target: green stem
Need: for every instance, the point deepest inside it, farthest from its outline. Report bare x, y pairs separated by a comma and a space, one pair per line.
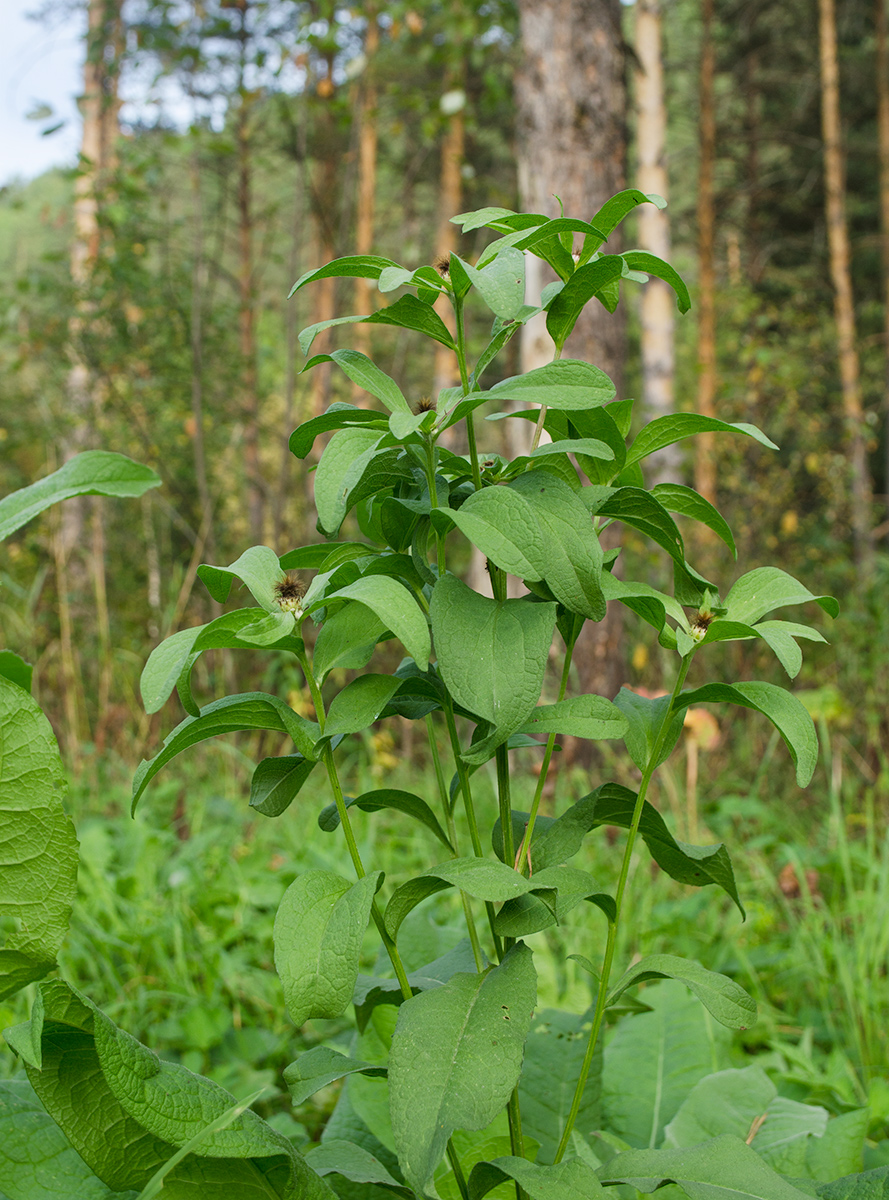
538, 428
469, 808
452, 834
516, 1139
608, 958
544, 768
460, 1178
464, 385
430, 481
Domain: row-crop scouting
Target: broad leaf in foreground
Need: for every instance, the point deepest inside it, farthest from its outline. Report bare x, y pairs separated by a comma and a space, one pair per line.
570, 1180
455, 1058
722, 997
38, 847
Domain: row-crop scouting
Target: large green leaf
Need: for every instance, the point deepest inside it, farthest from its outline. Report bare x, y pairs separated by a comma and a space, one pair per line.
868, 1185
38, 847
353, 1162
371, 991
258, 568
410, 313
178, 653
654, 1058
685, 501
641, 260
787, 714
492, 655
345, 459
347, 638
722, 1169
479, 877
569, 1180
572, 560
664, 431
93, 473
126, 1113
641, 510
249, 710
554, 1053
37, 1162
501, 283
367, 375
567, 385
14, 668
502, 525
338, 416
277, 781
766, 588
616, 208
722, 997
359, 704
456, 1057
589, 716
645, 717
319, 928
551, 895
396, 607
612, 804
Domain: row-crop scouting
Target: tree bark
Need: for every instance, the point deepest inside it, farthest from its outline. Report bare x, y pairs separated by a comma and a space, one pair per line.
571, 110
445, 370
705, 464
326, 210
883, 136
657, 306
367, 179
841, 277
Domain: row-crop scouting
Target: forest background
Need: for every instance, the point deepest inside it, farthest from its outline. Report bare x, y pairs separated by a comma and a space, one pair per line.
143, 309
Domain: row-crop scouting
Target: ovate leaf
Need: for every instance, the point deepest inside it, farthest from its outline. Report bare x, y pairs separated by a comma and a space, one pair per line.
361, 370
722, 997
569, 1180
766, 588
277, 781
587, 716
319, 927
567, 385
354, 266
359, 704
664, 431
396, 607
320, 1066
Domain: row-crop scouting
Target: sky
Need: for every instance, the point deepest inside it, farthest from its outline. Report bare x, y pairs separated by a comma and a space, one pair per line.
40, 64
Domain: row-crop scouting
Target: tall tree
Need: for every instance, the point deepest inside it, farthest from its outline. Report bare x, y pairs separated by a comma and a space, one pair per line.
883, 134
657, 306
571, 143
705, 464
367, 171
841, 277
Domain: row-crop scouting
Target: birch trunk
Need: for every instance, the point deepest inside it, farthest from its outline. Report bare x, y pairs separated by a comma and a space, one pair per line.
841, 277
367, 181
657, 306
445, 372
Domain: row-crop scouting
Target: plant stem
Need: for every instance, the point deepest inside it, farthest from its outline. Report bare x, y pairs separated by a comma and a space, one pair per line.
538, 428
611, 942
469, 807
452, 834
458, 1170
430, 480
464, 384
544, 768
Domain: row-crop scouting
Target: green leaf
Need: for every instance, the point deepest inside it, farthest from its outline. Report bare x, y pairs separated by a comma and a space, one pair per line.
639, 509
569, 1180
722, 997
654, 1058
869, 1185
15, 669
320, 1066
840, 1150
376, 801
572, 561
126, 1113
410, 313
249, 710
591, 447
319, 928
687, 503
502, 525
589, 716
341, 1157
180, 651
552, 893
612, 804
355, 266
650, 604
38, 866
722, 1169
554, 1053
645, 716
501, 283
372, 991
616, 208
337, 416
347, 639
491, 654
93, 473
396, 607
568, 385
308, 335
786, 713
778, 635
345, 459
321, 555
479, 877
38, 1161
366, 375
585, 283
664, 431
641, 260
359, 704
456, 1057
766, 588
277, 781
257, 567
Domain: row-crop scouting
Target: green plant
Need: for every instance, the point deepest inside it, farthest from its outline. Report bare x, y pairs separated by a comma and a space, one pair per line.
453, 1085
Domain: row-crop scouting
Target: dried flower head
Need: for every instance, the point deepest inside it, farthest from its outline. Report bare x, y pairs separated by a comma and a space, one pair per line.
289, 592
423, 405
443, 265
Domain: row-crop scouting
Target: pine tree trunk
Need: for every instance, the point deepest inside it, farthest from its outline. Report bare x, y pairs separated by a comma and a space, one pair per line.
841, 277
367, 180
571, 127
326, 208
657, 306
883, 134
705, 463
445, 371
